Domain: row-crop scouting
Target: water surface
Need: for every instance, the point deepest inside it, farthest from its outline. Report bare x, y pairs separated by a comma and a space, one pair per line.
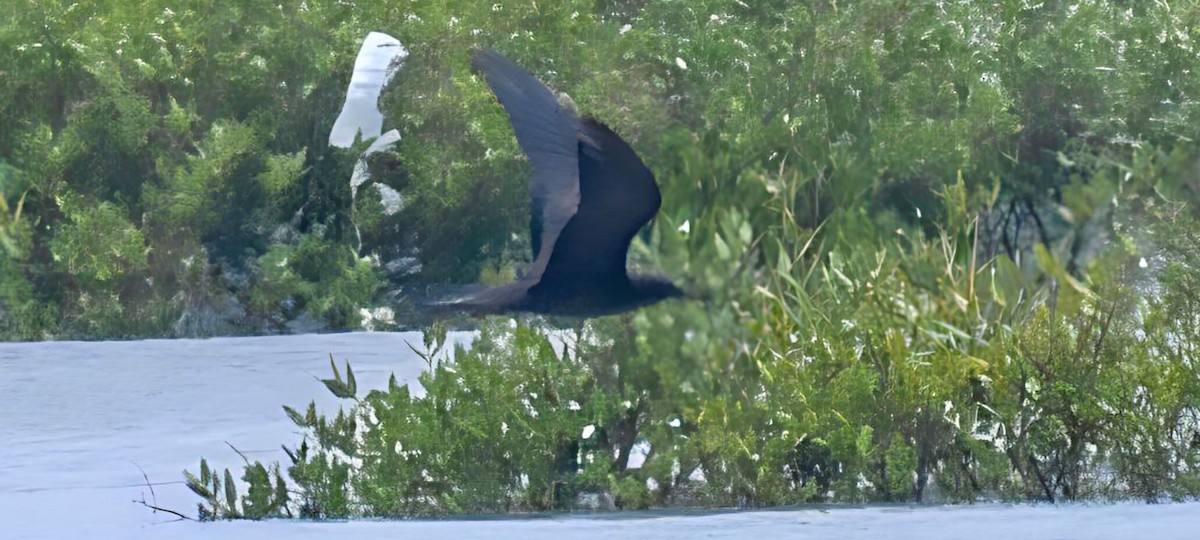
81, 421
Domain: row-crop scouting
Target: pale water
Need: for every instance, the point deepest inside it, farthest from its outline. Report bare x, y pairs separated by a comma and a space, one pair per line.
79, 422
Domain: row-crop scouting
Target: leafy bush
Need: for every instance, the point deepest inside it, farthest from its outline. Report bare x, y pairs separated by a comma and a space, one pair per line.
906, 372
173, 128
316, 275
267, 496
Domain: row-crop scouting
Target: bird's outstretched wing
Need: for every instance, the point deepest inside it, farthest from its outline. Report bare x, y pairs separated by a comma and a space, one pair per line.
618, 195
548, 133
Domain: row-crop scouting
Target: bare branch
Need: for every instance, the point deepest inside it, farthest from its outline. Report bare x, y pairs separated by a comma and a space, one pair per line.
239, 452
154, 498
181, 517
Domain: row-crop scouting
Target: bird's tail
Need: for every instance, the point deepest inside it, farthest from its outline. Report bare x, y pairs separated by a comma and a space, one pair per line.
441, 301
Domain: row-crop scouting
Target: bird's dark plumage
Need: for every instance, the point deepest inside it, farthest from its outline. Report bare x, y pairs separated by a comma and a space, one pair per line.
590, 195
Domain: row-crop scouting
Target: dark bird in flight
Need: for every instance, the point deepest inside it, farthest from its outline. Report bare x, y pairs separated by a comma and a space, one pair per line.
590, 193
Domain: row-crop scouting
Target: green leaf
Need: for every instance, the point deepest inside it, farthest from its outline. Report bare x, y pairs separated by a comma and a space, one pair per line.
723, 251
338, 387
865, 442
351, 384
198, 486
296, 417
1051, 266
230, 493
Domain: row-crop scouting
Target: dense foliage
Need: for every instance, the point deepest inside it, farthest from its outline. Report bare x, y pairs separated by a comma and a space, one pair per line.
952, 248
171, 162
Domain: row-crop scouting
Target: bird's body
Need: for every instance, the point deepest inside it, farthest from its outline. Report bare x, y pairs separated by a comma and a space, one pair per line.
590, 195
585, 299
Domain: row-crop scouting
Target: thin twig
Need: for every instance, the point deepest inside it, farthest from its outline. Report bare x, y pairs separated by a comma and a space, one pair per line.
239, 452
165, 510
154, 498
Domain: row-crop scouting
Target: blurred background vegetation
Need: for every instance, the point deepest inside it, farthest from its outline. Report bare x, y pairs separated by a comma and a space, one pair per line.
953, 247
